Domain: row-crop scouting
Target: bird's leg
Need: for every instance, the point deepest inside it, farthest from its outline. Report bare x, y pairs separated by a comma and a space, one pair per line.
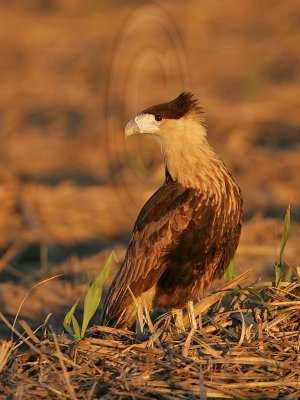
177, 315
140, 320
201, 293
191, 314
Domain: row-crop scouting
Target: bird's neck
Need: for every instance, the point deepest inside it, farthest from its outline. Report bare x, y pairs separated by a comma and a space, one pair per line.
194, 164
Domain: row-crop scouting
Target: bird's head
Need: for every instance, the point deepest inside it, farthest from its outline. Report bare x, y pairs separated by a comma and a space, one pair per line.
178, 126
168, 120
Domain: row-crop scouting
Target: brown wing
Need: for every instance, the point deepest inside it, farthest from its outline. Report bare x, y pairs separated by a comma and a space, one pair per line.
160, 219
178, 233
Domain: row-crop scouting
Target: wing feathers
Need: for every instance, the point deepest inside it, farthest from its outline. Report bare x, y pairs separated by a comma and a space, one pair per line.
179, 229
144, 262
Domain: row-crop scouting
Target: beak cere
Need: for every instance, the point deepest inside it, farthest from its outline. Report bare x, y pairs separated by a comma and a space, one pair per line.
132, 128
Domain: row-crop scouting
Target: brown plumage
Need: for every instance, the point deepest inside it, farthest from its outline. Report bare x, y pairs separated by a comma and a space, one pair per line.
187, 232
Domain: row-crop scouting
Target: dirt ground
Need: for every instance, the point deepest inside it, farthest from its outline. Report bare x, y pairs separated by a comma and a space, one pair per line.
72, 74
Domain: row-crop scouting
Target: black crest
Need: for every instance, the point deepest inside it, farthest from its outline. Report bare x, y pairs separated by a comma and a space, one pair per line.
184, 104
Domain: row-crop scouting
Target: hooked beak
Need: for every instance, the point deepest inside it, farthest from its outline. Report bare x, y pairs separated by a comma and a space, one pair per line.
132, 128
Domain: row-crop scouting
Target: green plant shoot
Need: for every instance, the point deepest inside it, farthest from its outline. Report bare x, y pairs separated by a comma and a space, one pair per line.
71, 325
230, 272
94, 294
91, 303
281, 270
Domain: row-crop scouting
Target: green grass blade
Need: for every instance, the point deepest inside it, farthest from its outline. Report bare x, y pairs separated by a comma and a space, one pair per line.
230, 272
260, 297
278, 274
94, 293
255, 293
285, 233
68, 320
281, 272
288, 273
76, 327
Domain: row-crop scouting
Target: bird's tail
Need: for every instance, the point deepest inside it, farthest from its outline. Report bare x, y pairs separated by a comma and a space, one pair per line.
118, 308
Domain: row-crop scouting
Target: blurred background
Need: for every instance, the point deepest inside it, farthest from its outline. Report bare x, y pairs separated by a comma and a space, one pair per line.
73, 72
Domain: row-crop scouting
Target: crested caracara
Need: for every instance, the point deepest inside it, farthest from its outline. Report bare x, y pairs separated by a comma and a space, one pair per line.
188, 231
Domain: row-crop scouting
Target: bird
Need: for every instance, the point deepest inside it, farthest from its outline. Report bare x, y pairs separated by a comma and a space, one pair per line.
188, 231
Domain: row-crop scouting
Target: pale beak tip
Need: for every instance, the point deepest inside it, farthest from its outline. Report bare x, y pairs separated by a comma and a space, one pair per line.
131, 128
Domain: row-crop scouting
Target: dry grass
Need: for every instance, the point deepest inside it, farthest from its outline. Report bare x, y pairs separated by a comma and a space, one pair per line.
71, 186
247, 348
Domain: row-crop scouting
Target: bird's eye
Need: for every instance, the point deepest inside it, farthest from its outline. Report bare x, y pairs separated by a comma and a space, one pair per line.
158, 117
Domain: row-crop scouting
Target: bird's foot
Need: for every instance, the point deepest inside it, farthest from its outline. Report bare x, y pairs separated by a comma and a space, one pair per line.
191, 314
